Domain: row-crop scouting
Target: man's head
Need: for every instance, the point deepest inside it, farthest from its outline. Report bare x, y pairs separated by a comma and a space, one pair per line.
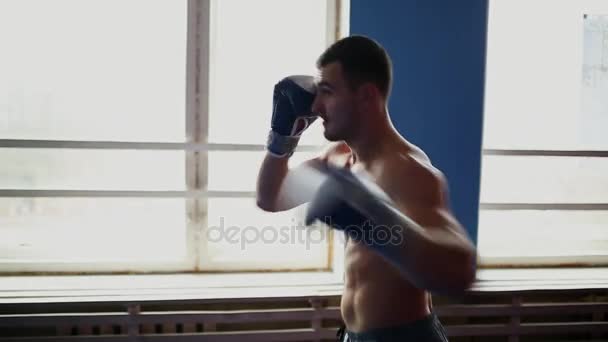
356, 78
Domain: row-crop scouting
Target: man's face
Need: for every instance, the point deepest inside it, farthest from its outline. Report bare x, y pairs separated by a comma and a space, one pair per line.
336, 103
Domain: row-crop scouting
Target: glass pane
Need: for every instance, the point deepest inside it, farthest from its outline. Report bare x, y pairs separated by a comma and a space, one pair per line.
92, 169
534, 77
93, 70
527, 233
242, 236
516, 179
92, 230
238, 170
254, 45
595, 79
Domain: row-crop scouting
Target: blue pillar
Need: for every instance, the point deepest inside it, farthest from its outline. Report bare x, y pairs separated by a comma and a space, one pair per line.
438, 52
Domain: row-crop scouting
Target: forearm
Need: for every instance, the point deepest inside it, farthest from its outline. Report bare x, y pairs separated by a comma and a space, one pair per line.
439, 260
280, 187
270, 178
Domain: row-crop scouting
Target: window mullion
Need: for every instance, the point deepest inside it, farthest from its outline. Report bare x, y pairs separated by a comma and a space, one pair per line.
196, 122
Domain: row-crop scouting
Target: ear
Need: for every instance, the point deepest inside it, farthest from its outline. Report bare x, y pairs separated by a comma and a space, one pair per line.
368, 92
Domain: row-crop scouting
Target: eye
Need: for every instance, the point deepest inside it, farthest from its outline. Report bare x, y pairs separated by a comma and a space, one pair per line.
325, 90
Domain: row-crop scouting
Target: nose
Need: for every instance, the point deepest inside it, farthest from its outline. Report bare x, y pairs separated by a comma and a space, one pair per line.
317, 105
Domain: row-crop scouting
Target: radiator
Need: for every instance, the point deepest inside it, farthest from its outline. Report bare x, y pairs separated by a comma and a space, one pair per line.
477, 316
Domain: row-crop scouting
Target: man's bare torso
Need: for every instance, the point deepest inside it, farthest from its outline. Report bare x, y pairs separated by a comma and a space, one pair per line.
375, 293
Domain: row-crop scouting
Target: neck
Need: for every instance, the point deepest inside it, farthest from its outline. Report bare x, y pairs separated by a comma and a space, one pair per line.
371, 141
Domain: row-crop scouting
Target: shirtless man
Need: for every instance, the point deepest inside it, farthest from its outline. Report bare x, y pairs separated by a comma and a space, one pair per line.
386, 290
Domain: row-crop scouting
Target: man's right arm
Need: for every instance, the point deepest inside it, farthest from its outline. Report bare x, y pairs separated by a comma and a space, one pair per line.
280, 187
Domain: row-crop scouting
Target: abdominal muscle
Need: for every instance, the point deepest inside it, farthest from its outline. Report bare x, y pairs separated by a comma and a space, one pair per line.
375, 294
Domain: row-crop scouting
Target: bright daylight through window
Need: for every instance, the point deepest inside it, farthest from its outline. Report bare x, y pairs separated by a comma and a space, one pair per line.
544, 190
123, 144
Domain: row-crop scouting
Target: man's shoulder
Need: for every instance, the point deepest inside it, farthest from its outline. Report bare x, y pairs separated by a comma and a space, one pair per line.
413, 177
417, 164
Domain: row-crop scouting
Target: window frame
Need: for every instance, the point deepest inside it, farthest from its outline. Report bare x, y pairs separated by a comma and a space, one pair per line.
585, 8
541, 261
196, 146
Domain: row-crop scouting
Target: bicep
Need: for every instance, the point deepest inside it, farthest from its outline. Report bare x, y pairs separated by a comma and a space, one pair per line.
441, 226
427, 204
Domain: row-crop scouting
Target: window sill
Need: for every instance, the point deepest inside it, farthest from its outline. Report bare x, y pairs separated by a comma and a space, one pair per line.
175, 287
205, 287
531, 279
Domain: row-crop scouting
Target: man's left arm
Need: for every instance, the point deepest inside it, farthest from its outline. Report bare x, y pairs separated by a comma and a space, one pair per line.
424, 241
436, 250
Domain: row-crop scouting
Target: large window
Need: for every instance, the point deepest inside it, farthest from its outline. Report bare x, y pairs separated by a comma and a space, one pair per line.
131, 133
544, 191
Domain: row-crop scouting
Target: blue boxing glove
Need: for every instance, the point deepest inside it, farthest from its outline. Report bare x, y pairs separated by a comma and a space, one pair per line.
292, 113
363, 211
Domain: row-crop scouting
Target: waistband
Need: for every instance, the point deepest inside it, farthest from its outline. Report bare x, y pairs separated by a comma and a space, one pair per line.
417, 330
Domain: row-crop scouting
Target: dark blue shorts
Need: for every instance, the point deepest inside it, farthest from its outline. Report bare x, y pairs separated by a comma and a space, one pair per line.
428, 329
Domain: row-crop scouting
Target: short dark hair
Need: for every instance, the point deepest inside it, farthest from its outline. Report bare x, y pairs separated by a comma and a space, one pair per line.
363, 60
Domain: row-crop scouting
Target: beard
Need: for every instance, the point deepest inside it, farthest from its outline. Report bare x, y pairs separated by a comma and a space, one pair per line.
340, 124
